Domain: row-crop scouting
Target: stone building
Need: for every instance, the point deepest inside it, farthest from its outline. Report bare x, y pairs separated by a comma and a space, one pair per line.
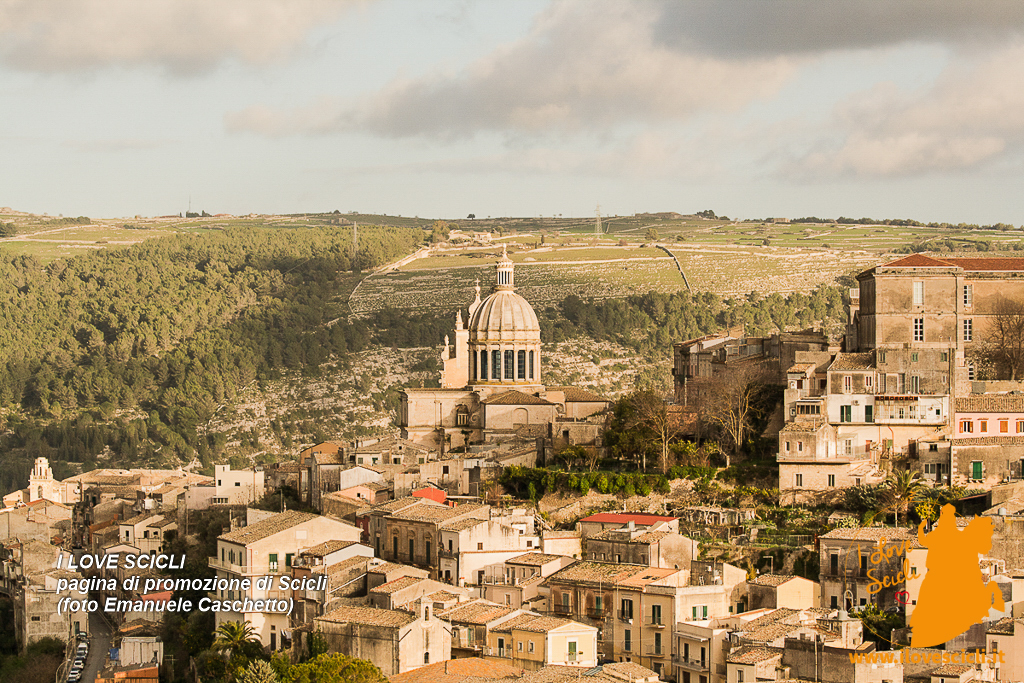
491, 384
855, 564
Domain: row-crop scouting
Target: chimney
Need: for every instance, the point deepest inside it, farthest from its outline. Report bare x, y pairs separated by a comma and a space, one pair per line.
631, 525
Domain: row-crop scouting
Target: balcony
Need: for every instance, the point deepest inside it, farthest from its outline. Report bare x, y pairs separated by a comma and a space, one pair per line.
499, 652
597, 613
656, 651
444, 552
465, 644
692, 663
561, 609
654, 621
626, 616
230, 567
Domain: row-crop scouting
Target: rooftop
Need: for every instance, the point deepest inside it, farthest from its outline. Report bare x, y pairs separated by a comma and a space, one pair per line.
533, 559
397, 585
967, 263
578, 395
623, 536
268, 527
853, 361
435, 513
534, 623
626, 517
771, 579
476, 612
754, 655
870, 533
515, 398
327, 547
369, 616
456, 670
952, 670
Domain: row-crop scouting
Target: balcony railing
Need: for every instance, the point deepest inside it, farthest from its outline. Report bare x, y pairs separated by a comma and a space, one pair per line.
499, 651
626, 615
654, 620
561, 609
597, 613
692, 662
656, 650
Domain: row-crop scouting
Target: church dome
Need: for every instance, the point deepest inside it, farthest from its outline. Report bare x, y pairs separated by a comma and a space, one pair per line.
504, 316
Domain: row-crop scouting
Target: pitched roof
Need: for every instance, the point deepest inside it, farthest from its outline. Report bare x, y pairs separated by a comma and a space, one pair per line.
369, 616
952, 670
462, 524
397, 585
870, 533
327, 547
807, 427
457, 670
771, 579
513, 397
988, 403
476, 612
853, 361
435, 513
618, 535
968, 263
917, 261
534, 559
579, 395
535, 623
1003, 627
626, 517
267, 527
753, 655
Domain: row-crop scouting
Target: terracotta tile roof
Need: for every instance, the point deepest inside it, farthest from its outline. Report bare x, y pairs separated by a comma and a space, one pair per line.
457, 670
771, 632
626, 517
476, 612
534, 623
268, 527
515, 398
462, 524
137, 519
533, 559
388, 567
753, 655
854, 361
630, 670
397, 585
771, 579
1003, 627
435, 513
808, 427
345, 564
990, 404
986, 264
578, 395
594, 572
620, 536
871, 533
441, 596
327, 547
952, 669
916, 261
369, 616
399, 504
801, 367
772, 617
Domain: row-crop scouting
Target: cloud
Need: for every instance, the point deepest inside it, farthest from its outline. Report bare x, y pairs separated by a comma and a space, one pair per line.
973, 114
584, 66
181, 36
741, 29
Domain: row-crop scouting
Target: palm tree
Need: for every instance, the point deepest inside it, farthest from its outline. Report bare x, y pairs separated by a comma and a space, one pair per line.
233, 635
904, 487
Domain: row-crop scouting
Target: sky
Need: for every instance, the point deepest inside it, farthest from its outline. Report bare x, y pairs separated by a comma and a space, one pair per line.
442, 108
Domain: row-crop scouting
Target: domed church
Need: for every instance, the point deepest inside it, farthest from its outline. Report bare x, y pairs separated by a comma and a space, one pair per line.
491, 382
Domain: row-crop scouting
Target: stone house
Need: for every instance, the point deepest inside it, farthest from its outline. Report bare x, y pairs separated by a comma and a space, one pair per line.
533, 641
772, 591
855, 563
654, 547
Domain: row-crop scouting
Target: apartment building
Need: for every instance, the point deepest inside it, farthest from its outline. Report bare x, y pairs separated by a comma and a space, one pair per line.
771, 591
655, 546
988, 439
517, 581
533, 641
395, 641
699, 651
269, 547
636, 606
237, 487
855, 563
472, 623
471, 547
146, 531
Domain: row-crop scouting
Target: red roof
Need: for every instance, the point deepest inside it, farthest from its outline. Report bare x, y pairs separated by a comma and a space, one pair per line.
436, 495
967, 263
626, 517
162, 595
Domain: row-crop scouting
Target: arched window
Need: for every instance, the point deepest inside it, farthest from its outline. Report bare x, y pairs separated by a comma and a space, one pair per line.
510, 371
483, 365
531, 365
521, 358
496, 364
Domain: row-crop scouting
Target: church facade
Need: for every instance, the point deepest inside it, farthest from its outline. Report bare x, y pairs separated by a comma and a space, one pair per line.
491, 379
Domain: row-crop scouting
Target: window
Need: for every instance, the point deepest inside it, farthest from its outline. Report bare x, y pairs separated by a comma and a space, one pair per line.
496, 364
426, 658
919, 294
944, 357
846, 413
881, 356
799, 446
655, 614
847, 384
913, 357
835, 602
1020, 426
831, 480
799, 480
983, 426
739, 675
968, 295
847, 448
288, 559
966, 426
915, 384
1004, 427
531, 364
520, 648
627, 637
238, 483
509, 362
521, 364
933, 448
833, 563
869, 413
968, 330
530, 648
918, 331
627, 610
970, 372
869, 381
700, 612
483, 365
787, 443
273, 561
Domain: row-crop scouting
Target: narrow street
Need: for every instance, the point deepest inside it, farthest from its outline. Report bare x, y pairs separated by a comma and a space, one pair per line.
99, 645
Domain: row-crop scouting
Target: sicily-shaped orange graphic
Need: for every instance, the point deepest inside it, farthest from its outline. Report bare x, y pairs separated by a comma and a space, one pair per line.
954, 596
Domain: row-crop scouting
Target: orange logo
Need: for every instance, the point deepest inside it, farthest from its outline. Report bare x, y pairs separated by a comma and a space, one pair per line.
954, 595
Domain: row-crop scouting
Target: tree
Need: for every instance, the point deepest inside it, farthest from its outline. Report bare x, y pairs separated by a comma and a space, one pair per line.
650, 412
901, 489
259, 671
734, 398
471, 216
651, 234
334, 668
233, 636
1004, 341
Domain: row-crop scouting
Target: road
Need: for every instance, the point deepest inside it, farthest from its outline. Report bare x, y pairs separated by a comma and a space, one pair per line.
99, 645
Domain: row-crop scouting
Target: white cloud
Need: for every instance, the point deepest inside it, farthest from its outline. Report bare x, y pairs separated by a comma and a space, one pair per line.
182, 36
971, 115
584, 66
